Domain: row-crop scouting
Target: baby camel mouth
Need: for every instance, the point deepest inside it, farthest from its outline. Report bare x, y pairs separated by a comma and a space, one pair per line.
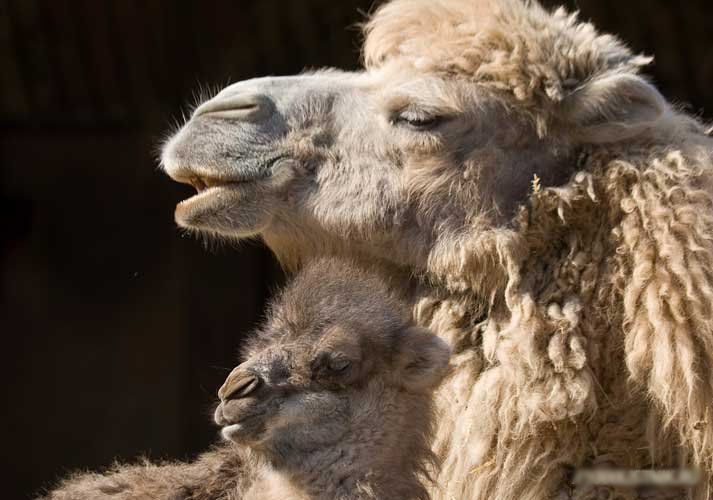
238, 426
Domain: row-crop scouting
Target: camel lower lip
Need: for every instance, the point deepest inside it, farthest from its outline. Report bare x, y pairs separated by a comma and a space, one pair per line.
238, 425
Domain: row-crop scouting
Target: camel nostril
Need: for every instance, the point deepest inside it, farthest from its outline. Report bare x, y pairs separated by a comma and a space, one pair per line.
239, 384
235, 106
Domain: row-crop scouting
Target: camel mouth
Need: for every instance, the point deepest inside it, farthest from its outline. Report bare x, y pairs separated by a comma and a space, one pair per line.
203, 183
209, 187
231, 203
240, 411
240, 425
245, 431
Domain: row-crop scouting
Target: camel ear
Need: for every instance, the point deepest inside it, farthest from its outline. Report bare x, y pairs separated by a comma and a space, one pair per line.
613, 107
422, 359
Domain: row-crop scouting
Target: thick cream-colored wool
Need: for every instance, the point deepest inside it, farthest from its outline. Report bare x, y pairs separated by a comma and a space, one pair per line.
597, 342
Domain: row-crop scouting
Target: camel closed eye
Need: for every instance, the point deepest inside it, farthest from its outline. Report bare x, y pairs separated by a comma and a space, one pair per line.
330, 365
338, 364
416, 120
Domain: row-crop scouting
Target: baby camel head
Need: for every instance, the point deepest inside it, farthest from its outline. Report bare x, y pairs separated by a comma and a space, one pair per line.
338, 361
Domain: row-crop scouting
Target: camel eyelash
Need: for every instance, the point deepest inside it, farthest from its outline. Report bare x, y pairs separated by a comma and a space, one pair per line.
416, 119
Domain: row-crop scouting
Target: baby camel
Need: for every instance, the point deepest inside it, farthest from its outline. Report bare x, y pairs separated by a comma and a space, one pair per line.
335, 394
333, 401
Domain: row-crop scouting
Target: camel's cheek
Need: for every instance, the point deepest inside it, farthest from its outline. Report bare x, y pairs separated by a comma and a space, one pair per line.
309, 419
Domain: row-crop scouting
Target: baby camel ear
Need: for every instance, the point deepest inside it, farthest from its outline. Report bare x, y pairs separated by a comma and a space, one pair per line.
422, 359
613, 107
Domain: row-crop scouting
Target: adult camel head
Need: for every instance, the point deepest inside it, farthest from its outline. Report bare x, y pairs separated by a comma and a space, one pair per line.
461, 106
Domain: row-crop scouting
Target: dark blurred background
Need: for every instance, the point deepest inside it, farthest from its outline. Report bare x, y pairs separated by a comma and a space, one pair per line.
117, 329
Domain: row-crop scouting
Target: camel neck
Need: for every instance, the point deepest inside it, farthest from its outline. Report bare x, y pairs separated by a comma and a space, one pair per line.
340, 473
372, 460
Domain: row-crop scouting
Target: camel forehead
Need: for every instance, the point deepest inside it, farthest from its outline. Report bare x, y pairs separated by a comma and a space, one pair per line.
409, 28
332, 290
332, 304
305, 331
301, 346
